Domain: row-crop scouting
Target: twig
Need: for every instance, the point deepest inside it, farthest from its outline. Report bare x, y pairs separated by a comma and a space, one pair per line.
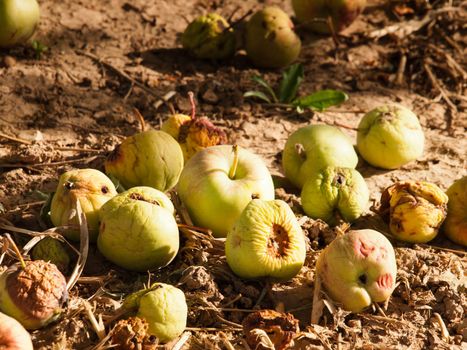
183, 339
70, 161
444, 331
317, 306
16, 139
142, 123
401, 70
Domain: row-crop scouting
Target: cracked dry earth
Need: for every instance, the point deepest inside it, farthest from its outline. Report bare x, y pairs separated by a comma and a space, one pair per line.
69, 109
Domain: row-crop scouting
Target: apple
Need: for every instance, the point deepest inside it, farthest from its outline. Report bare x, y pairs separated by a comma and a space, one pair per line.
163, 307
415, 210
209, 36
334, 193
266, 241
314, 147
270, 40
150, 158
358, 268
455, 225
314, 14
390, 136
92, 189
13, 336
52, 250
18, 21
33, 294
218, 182
138, 230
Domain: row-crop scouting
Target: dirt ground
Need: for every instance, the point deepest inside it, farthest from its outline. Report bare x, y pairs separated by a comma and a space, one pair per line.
75, 103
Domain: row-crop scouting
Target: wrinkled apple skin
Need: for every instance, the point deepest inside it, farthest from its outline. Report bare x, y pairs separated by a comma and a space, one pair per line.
323, 146
34, 295
215, 201
164, 308
138, 230
314, 13
18, 21
416, 210
173, 124
455, 225
13, 336
270, 40
335, 189
150, 158
266, 241
92, 189
207, 37
358, 268
52, 250
390, 136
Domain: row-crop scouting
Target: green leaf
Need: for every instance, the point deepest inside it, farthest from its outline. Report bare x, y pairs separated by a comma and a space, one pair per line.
265, 84
291, 80
258, 94
321, 100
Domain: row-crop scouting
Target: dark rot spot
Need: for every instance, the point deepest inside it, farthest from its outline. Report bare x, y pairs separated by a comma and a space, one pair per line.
363, 279
69, 185
140, 197
278, 241
254, 196
339, 179
385, 281
104, 189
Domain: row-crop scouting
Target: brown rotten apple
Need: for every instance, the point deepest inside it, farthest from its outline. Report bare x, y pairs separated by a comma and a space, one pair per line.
358, 268
13, 336
33, 294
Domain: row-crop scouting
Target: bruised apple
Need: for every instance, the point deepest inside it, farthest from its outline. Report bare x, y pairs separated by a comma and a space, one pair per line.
315, 14
335, 193
358, 268
315, 147
266, 241
150, 158
390, 136
455, 225
18, 21
138, 230
218, 182
34, 294
92, 189
13, 336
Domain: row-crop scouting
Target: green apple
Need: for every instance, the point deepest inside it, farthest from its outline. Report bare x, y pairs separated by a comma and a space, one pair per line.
150, 158
33, 294
314, 147
266, 241
333, 193
52, 250
390, 136
18, 21
358, 268
218, 182
92, 189
163, 307
13, 336
270, 40
138, 230
314, 14
455, 225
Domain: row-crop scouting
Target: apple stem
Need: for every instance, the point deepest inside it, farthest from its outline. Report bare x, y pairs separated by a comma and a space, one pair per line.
16, 250
191, 95
333, 32
300, 150
233, 169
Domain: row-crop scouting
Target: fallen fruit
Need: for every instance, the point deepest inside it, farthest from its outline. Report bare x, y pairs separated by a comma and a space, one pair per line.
315, 14
193, 133
132, 334
18, 21
279, 328
88, 186
415, 210
163, 307
34, 294
138, 230
270, 40
315, 147
209, 37
218, 182
13, 336
335, 193
390, 136
150, 158
52, 250
455, 225
358, 268
266, 241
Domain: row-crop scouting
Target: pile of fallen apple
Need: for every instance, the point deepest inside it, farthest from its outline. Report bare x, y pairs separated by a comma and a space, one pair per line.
226, 189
